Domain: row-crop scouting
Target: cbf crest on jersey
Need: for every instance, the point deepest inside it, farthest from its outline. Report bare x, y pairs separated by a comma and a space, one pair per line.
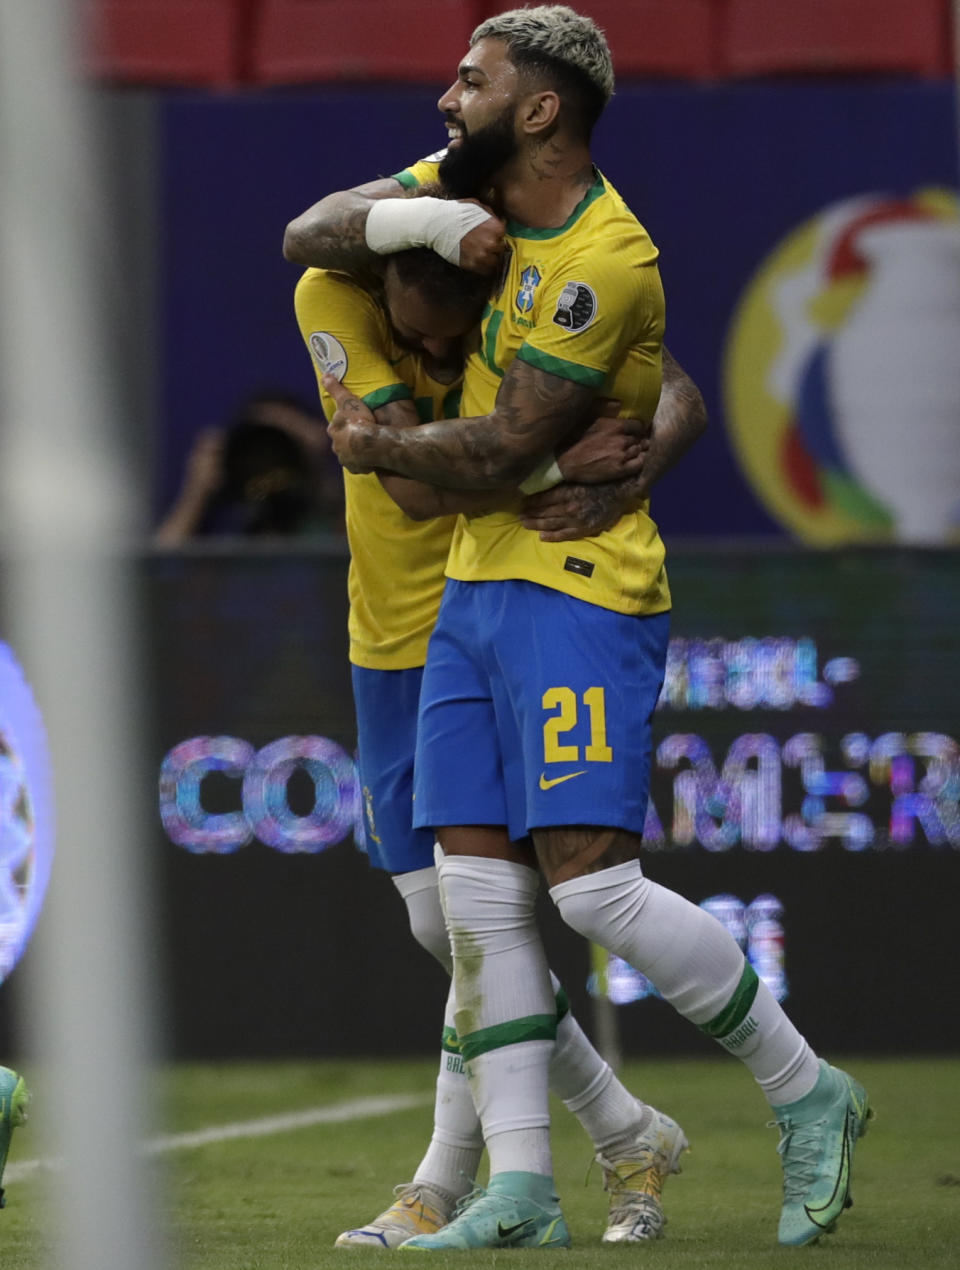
330, 354
576, 307
529, 281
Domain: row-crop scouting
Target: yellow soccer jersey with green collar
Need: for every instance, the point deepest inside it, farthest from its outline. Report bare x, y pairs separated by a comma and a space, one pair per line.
583, 302
396, 564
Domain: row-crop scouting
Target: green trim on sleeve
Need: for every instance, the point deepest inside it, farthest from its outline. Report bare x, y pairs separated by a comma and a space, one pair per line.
383, 396
559, 366
406, 179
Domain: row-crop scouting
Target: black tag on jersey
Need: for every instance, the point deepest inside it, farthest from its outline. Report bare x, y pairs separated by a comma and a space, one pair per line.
574, 565
576, 307
504, 271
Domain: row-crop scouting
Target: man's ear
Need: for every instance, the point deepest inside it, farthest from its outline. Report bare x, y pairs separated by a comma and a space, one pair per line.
539, 112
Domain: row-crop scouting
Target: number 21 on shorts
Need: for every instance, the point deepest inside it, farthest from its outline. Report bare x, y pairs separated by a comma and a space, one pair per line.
566, 704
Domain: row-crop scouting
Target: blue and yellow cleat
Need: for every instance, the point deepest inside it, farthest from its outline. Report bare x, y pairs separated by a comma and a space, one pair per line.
14, 1100
817, 1136
505, 1215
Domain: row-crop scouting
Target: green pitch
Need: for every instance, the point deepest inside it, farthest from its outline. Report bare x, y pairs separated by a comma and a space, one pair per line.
277, 1202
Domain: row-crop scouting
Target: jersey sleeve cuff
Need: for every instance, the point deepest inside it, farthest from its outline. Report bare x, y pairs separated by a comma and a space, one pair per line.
406, 179
559, 366
383, 396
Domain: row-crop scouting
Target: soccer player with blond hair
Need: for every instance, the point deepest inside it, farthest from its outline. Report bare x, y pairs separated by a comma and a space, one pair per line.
547, 659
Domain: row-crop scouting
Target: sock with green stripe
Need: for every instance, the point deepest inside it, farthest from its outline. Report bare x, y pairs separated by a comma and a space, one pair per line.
453, 1157
697, 966
506, 1015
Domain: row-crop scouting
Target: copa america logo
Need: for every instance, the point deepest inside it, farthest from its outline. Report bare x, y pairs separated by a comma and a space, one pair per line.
26, 812
842, 379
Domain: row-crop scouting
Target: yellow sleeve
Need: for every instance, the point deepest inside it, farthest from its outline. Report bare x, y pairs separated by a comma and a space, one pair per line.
423, 172
346, 334
591, 310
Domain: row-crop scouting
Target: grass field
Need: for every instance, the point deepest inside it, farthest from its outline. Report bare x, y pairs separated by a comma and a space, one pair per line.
277, 1202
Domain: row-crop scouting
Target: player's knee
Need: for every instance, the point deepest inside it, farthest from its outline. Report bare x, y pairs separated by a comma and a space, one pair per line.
425, 914
603, 906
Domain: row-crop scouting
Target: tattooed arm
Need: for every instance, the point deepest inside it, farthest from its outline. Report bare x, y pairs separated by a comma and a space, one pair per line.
332, 233
533, 411
419, 500
340, 233
576, 511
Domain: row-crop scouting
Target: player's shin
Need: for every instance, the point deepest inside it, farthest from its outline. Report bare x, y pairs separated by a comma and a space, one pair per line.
506, 1011
453, 1156
697, 966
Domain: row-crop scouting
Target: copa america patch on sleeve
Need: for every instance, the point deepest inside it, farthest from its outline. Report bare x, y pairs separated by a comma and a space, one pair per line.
330, 354
576, 307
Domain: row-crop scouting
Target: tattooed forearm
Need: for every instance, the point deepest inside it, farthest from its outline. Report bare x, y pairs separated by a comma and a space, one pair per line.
332, 233
533, 410
420, 501
680, 419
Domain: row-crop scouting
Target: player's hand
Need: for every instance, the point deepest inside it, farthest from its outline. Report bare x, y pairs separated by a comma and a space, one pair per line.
567, 512
352, 428
608, 450
481, 250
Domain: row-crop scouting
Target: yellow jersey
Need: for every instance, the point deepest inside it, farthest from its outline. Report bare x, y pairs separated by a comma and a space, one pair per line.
396, 564
583, 302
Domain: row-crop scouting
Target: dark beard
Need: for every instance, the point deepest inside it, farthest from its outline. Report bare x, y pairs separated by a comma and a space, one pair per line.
467, 170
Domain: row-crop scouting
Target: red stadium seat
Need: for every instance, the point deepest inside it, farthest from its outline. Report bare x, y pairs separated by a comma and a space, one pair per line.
770, 37
652, 37
302, 40
166, 41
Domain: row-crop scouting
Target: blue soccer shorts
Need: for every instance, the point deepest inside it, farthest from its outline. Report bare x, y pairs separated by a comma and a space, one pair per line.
386, 707
536, 710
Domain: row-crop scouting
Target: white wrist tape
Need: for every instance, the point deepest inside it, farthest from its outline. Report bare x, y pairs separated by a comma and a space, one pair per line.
394, 224
544, 476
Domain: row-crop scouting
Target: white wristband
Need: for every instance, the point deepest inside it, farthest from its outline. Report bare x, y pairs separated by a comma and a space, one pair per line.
394, 224
544, 476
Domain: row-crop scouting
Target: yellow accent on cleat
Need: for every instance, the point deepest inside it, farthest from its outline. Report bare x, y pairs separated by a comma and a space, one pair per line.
417, 1210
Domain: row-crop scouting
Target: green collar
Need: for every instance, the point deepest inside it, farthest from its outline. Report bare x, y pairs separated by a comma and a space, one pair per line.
516, 230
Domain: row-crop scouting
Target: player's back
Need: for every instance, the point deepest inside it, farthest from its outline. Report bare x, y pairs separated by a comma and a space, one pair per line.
396, 564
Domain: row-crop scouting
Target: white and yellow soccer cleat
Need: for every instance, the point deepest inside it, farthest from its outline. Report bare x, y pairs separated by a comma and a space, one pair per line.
635, 1181
418, 1210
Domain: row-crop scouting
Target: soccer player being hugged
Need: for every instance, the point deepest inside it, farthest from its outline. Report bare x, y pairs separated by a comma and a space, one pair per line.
396, 339
547, 658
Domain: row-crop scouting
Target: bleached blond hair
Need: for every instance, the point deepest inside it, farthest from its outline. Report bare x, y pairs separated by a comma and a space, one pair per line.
553, 33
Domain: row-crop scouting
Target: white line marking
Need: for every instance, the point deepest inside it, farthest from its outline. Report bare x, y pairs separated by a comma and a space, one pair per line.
355, 1109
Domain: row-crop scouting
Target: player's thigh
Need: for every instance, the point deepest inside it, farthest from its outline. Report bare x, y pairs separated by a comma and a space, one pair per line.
386, 703
458, 778
583, 683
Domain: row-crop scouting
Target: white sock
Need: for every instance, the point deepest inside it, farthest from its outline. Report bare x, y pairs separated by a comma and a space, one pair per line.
453, 1156
587, 1084
696, 964
421, 894
506, 1009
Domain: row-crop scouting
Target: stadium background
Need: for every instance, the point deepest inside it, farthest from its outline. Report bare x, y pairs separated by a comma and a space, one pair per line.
728, 136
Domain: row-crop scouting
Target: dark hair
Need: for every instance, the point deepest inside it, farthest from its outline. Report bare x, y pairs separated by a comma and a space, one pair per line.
581, 100
439, 282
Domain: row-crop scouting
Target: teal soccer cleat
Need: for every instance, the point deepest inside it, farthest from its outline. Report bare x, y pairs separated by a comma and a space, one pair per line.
505, 1215
817, 1136
14, 1100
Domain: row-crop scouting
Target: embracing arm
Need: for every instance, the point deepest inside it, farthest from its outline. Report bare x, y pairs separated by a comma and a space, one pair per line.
574, 511
332, 233
352, 230
421, 501
533, 411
